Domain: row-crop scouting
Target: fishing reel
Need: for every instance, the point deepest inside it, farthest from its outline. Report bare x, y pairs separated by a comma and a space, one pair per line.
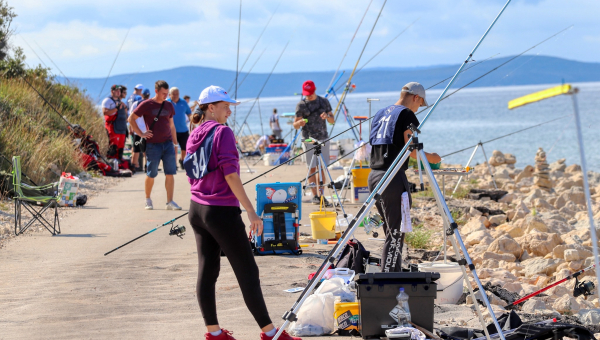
584, 288
177, 230
371, 223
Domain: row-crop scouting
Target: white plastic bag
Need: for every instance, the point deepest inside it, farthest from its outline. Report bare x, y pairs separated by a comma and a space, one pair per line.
337, 287
315, 316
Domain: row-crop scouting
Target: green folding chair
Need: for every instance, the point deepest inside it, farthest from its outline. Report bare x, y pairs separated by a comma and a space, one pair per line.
34, 197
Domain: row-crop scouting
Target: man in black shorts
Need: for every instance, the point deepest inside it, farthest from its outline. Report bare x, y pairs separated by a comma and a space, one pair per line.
139, 144
389, 133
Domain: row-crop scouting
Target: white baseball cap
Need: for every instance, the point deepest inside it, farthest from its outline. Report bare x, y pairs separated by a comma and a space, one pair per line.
139, 87
213, 94
416, 88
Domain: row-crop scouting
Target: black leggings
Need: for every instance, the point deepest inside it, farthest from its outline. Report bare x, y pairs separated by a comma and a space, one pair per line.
221, 228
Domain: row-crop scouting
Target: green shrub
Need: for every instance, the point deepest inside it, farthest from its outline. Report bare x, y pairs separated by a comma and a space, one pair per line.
419, 238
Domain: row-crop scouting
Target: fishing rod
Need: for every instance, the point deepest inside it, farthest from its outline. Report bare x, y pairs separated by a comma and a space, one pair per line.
504, 136
32, 50
176, 230
251, 67
237, 70
255, 43
52, 61
581, 288
291, 314
263, 87
504, 63
113, 64
348, 84
347, 49
381, 50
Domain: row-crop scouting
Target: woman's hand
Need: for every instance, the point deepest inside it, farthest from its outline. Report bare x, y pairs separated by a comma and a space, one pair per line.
256, 224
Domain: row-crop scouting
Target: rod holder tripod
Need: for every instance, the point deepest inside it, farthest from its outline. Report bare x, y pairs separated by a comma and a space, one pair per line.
479, 145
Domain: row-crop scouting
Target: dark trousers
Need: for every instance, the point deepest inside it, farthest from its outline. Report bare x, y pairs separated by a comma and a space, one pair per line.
221, 228
389, 208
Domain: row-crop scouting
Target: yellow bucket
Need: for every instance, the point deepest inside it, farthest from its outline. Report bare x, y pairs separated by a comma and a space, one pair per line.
322, 224
360, 177
346, 315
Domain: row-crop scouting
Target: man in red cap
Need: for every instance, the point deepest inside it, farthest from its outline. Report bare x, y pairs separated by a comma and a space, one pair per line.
311, 113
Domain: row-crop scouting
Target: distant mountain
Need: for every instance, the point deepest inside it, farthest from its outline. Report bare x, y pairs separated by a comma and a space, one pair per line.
524, 70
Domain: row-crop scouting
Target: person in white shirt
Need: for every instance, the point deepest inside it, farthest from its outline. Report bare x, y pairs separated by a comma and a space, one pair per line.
263, 142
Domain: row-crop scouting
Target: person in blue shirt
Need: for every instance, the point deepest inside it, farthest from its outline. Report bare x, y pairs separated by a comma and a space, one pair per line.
182, 110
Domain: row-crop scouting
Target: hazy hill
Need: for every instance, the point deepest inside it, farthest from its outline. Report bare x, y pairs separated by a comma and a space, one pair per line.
524, 70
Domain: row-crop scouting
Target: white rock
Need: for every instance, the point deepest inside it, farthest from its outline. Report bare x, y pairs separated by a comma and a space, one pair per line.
533, 305
566, 304
497, 219
571, 255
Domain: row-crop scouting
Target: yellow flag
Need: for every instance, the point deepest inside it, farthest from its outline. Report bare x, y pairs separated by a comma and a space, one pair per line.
541, 95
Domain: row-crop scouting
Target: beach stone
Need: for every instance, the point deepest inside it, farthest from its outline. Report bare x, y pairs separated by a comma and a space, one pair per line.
575, 265
539, 243
542, 205
574, 195
573, 168
513, 287
510, 158
534, 223
566, 304
589, 316
526, 173
571, 255
472, 226
525, 256
539, 265
508, 198
506, 245
559, 165
510, 229
474, 212
497, 158
497, 219
507, 257
476, 237
558, 291
560, 251
533, 305
541, 176
566, 212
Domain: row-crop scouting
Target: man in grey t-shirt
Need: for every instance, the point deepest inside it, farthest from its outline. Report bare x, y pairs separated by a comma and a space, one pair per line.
311, 114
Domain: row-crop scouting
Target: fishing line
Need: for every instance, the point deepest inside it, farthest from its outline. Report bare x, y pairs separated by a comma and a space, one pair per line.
256, 43
52, 61
32, 50
237, 62
265, 84
113, 64
504, 136
347, 49
497, 67
252, 67
262, 130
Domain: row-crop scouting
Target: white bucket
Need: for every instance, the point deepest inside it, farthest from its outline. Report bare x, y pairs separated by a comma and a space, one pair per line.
450, 284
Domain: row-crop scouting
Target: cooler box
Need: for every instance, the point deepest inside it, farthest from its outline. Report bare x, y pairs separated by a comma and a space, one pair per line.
277, 154
280, 207
377, 297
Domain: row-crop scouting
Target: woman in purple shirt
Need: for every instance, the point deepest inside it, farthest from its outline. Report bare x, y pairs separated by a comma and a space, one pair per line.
212, 165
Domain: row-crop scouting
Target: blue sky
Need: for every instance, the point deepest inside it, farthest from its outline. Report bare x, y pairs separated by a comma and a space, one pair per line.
83, 38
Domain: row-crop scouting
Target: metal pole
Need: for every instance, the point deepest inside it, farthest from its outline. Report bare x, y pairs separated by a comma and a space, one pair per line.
466, 166
370, 100
489, 167
586, 186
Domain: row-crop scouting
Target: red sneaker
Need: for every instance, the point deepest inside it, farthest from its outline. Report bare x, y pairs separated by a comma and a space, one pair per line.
225, 335
284, 336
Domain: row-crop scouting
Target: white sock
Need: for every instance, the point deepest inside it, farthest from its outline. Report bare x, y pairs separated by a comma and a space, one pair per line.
271, 332
149, 200
217, 333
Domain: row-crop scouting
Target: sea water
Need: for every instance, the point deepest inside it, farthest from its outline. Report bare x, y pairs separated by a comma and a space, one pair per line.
472, 115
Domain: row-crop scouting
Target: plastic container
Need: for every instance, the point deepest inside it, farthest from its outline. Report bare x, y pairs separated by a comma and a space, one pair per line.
360, 184
401, 313
344, 273
346, 315
434, 166
450, 284
322, 224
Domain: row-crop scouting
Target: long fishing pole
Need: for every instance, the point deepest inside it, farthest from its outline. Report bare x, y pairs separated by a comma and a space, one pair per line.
52, 61
291, 314
32, 50
264, 84
350, 44
237, 70
381, 50
504, 136
113, 64
251, 67
177, 231
574, 275
504, 63
347, 88
255, 43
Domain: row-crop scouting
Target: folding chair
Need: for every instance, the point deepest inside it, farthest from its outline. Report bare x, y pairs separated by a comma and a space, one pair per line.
31, 201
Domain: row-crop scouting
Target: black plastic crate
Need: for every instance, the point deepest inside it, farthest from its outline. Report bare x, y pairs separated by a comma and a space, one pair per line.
377, 297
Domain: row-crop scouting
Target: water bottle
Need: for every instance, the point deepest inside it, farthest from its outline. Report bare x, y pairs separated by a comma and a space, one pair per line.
401, 313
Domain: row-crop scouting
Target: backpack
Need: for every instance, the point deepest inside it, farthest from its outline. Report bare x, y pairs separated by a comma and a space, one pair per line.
353, 256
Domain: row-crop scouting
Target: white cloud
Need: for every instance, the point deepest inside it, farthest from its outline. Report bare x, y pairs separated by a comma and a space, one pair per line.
83, 37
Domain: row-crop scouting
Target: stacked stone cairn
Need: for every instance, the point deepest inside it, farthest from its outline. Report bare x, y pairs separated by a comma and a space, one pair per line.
541, 176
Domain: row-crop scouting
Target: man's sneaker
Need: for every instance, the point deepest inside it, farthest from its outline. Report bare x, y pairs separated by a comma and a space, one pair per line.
149, 204
326, 203
172, 206
181, 163
225, 335
284, 336
316, 200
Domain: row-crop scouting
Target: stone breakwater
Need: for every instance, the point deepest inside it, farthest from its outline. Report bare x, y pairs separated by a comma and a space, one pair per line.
535, 234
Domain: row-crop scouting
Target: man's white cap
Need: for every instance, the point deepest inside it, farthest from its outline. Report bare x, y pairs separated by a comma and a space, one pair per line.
139, 87
213, 94
415, 88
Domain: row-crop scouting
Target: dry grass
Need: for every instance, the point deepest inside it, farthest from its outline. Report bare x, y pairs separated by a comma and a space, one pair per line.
30, 129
